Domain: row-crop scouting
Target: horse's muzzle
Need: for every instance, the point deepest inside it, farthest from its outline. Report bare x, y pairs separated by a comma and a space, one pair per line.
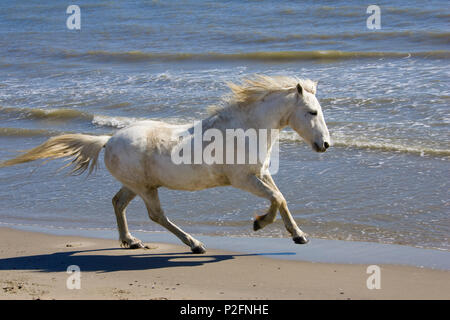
322, 148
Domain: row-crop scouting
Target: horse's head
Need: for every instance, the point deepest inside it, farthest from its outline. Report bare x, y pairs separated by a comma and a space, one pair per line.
307, 118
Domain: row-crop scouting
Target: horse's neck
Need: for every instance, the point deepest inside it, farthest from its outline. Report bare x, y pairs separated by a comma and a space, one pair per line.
267, 114
270, 114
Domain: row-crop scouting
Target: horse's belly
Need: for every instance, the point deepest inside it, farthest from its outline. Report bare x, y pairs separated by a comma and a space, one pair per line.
189, 176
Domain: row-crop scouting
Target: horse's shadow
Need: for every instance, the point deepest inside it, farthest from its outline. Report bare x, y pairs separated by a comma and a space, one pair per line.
86, 261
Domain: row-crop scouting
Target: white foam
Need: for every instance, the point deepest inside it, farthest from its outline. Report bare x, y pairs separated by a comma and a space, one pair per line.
115, 122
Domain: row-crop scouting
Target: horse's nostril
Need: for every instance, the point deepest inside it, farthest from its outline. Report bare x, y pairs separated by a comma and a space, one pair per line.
326, 145
316, 146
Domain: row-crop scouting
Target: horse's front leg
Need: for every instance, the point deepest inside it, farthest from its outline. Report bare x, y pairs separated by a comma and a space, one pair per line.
298, 235
268, 218
265, 187
157, 215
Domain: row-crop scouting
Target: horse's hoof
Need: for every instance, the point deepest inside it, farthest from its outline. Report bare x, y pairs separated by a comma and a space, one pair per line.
256, 225
138, 245
198, 249
300, 240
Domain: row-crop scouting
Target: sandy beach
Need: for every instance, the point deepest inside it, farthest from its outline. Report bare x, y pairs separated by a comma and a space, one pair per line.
34, 266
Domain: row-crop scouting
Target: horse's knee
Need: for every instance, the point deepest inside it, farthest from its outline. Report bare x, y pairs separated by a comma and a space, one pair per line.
270, 218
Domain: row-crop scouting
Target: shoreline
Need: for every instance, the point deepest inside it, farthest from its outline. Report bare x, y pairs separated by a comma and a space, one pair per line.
34, 266
317, 250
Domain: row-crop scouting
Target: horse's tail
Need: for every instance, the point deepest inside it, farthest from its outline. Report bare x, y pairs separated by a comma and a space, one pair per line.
82, 149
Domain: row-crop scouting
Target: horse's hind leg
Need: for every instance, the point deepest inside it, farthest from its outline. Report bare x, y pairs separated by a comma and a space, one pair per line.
156, 214
120, 202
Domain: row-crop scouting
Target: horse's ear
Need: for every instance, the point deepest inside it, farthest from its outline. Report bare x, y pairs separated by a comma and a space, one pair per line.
299, 89
316, 83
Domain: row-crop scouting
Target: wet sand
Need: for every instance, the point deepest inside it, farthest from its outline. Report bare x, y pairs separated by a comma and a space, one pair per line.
34, 266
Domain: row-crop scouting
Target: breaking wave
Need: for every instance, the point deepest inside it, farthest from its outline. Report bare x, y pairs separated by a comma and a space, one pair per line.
44, 114
139, 56
351, 142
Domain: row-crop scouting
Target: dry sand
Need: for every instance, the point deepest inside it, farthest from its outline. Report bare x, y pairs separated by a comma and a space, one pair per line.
33, 266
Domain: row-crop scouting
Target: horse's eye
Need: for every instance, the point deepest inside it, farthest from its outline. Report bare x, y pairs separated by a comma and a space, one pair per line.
313, 113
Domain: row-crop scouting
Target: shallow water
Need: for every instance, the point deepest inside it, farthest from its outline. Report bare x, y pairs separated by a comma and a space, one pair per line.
385, 96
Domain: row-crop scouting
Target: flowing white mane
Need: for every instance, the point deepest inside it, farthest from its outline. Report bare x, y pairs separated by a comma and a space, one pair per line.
257, 87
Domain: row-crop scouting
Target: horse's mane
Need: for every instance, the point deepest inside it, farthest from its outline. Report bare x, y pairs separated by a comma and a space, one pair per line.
257, 87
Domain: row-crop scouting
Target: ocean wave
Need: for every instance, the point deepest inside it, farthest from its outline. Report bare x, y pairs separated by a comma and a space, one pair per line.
352, 142
64, 115
391, 147
45, 114
139, 56
424, 36
21, 132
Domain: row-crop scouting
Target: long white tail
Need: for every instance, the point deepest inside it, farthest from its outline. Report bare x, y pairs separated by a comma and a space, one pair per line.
82, 149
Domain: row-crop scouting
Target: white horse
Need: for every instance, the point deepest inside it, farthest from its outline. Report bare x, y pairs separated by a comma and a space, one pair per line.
140, 156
